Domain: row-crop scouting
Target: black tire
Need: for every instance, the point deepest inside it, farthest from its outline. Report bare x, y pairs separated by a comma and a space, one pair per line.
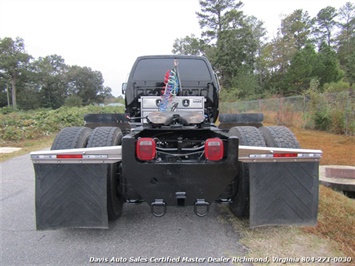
248, 136
71, 138
279, 137
239, 205
105, 136
109, 136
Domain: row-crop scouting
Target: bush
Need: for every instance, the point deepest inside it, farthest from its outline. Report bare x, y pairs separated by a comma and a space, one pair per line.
73, 101
336, 86
33, 124
322, 120
7, 110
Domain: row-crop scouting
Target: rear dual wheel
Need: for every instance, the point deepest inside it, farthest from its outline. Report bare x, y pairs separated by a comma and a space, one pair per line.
71, 138
109, 136
269, 136
81, 137
248, 136
279, 137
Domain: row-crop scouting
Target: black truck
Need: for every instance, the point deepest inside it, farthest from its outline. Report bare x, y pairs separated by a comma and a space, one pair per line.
173, 148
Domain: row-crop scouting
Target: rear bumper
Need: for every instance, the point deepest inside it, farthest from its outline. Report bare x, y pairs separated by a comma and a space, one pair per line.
177, 184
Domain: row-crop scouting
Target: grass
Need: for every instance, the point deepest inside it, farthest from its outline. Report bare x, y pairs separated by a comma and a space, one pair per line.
26, 146
336, 216
337, 149
336, 220
282, 242
334, 235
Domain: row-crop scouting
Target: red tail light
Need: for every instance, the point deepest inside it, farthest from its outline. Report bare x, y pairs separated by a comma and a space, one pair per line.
214, 149
146, 149
69, 156
284, 155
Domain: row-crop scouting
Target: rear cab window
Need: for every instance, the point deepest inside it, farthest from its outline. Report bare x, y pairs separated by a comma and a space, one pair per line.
189, 69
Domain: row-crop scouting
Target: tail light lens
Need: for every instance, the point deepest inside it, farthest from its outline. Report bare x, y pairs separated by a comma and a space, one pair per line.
146, 149
214, 149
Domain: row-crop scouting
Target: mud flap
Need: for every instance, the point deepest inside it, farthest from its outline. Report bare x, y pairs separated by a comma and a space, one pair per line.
71, 195
283, 193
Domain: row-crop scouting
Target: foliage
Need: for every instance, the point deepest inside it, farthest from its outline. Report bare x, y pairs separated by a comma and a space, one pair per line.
45, 82
302, 70
304, 48
189, 45
350, 68
325, 24
212, 17
295, 30
336, 86
20, 125
7, 110
328, 66
231, 40
13, 62
331, 112
87, 84
73, 101
50, 78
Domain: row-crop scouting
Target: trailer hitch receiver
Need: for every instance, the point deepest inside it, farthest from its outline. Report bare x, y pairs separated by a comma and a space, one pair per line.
201, 207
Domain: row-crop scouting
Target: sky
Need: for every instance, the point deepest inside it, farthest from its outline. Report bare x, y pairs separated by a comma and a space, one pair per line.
108, 35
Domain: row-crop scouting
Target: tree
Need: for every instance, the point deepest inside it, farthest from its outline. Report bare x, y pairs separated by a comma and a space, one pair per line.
302, 70
211, 17
87, 84
236, 48
258, 32
50, 78
346, 39
295, 29
13, 62
4, 92
189, 45
350, 68
230, 37
329, 67
293, 35
325, 24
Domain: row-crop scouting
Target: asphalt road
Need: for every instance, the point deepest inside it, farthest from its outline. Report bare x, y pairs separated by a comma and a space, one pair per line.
137, 236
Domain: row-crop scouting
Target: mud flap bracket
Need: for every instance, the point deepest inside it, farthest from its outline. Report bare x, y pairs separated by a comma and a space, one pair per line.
283, 193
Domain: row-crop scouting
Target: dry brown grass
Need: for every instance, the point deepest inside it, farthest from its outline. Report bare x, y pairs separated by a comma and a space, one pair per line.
26, 146
281, 242
337, 149
336, 220
284, 118
336, 216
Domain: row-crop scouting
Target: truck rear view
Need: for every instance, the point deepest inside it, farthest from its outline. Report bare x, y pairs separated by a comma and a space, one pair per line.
169, 149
